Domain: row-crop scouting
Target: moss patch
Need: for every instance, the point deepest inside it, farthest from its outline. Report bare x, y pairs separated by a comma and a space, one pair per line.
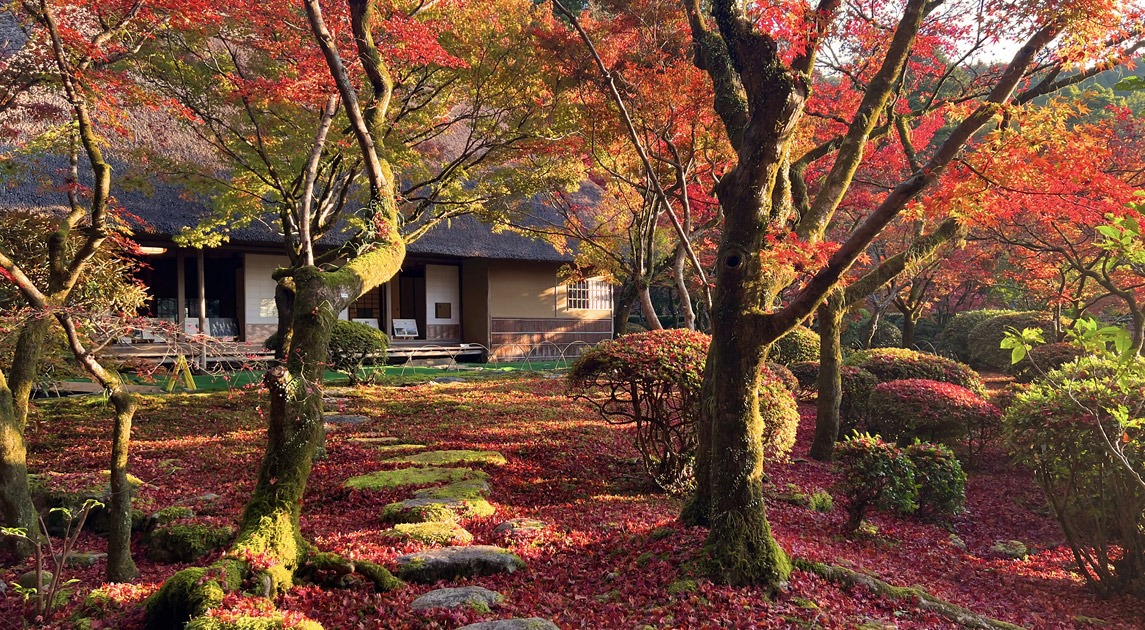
385, 479
396, 448
466, 489
440, 533
682, 586
435, 510
243, 622
190, 593
187, 542
443, 458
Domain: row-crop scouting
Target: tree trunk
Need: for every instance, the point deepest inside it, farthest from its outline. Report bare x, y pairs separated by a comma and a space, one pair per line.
909, 324
16, 506
1137, 335
625, 300
830, 383
646, 308
682, 288
284, 303
120, 566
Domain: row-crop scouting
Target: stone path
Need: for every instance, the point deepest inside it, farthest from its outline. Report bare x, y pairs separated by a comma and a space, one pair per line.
449, 493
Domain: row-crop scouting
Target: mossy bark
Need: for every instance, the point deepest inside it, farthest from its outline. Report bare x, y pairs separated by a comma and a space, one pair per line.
830, 382
120, 566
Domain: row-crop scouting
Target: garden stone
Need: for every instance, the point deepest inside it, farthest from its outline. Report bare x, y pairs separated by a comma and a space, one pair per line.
465, 489
373, 439
426, 510
469, 596
28, 580
435, 533
518, 526
532, 623
385, 479
1012, 549
338, 419
453, 562
78, 559
444, 458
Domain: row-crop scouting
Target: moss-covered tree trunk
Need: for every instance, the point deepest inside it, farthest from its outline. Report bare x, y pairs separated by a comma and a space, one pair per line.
120, 566
625, 301
830, 382
16, 506
284, 304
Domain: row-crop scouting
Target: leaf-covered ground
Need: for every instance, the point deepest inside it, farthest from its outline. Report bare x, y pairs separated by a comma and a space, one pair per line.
612, 553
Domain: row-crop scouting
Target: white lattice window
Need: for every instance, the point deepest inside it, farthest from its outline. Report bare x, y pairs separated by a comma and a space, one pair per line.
593, 295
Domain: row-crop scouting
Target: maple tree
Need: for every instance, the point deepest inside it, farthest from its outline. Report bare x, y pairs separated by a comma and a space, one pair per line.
763, 62
75, 52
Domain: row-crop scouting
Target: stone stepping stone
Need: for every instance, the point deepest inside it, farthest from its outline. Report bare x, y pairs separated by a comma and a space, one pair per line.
435, 510
393, 448
453, 562
385, 479
342, 420
476, 597
532, 623
374, 439
447, 533
466, 489
519, 526
444, 458
330, 400
80, 559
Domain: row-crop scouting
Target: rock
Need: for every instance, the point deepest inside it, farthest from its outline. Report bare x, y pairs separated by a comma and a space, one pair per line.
78, 559
435, 510
384, 479
465, 489
476, 597
443, 458
373, 439
453, 562
344, 420
186, 542
202, 498
532, 623
28, 580
334, 401
394, 448
435, 533
1012, 549
518, 526
957, 542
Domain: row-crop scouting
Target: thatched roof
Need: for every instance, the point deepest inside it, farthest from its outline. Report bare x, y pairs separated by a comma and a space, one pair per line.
159, 210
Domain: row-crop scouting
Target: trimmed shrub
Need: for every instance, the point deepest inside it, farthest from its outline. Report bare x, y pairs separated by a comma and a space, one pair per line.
955, 338
931, 411
856, 334
780, 373
857, 387
1041, 360
874, 474
940, 479
986, 351
801, 344
806, 373
652, 380
896, 364
352, 344
1059, 428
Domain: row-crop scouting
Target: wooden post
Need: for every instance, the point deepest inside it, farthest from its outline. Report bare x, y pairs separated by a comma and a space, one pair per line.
181, 291
202, 310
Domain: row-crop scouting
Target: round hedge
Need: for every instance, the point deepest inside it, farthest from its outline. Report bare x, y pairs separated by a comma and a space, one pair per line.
782, 374
799, 344
807, 374
857, 333
1058, 428
782, 420
928, 410
940, 479
955, 338
352, 344
1044, 359
895, 364
986, 352
857, 387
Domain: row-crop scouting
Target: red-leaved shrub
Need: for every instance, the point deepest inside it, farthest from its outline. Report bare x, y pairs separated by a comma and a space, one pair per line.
931, 411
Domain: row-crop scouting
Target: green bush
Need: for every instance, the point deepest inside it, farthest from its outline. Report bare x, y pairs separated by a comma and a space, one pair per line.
1059, 429
986, 351
873, 474
896, 364
857, 334
857, 385
652, 380
806, 373
352, 344
955, 339
800, 344
931, 411
940, 479
1041, 360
